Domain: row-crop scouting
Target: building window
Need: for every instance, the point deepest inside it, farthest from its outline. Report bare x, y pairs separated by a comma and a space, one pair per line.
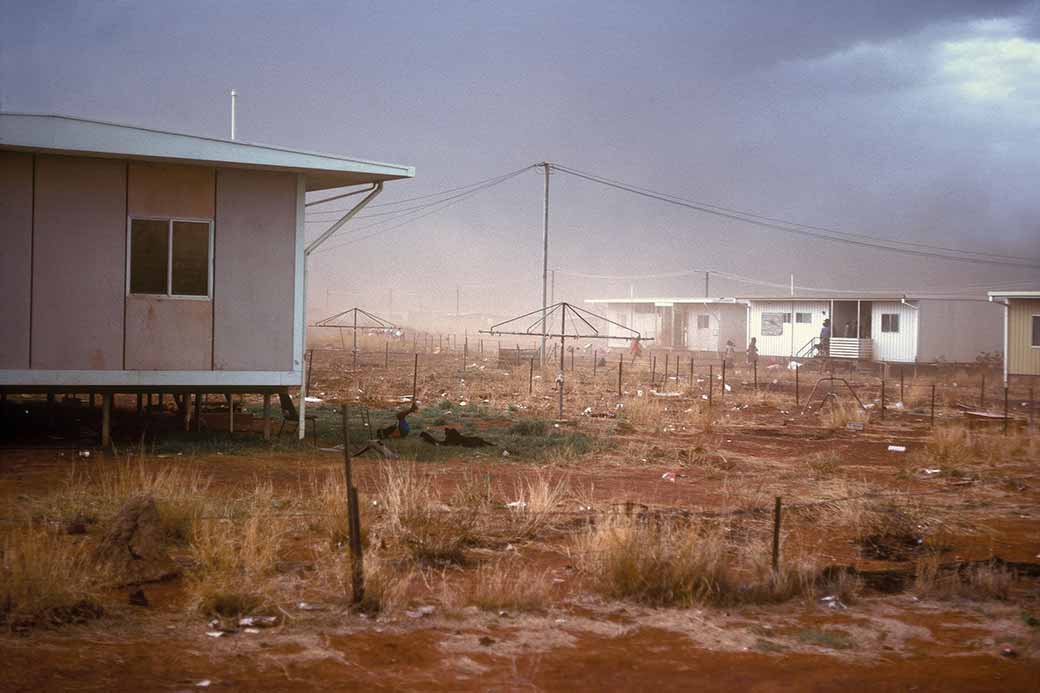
703, 322
1036, 331
803, 318
890, 322
787, 318
773, 324
170, 257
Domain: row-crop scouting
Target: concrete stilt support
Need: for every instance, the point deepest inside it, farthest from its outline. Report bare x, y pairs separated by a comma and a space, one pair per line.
198, 412
106, 419
267, 416
139, 403
186, 410
231, 412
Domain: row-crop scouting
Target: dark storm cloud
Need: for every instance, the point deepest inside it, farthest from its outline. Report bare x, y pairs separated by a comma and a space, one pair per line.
900, 119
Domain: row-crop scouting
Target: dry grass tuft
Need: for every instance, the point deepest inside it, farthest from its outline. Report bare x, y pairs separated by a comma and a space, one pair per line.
413, 520
506, 584
977, 582
235, 564
95, 493
537, 498
672, 564
45, 577
839, 413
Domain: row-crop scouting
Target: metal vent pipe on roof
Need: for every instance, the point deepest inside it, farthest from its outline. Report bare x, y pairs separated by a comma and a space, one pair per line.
234, 98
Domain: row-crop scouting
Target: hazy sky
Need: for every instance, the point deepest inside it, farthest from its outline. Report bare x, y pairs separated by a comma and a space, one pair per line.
907, 120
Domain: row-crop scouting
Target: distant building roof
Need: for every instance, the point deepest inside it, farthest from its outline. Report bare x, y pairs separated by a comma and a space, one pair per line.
1014, 294
60, 134
662, 300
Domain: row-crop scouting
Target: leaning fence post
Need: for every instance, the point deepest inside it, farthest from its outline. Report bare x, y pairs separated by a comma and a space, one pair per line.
755, 365
902, 396
776, 535
1005, 410
882, 397
722, 391
691, 372
711, 382
357, 565
982, 392
933, 406
620, 365
530, 379
595, 362
797, 394
653, 369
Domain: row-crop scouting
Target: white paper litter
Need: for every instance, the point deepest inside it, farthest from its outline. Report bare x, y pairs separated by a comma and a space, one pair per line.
793, 366
897, 448
308, 398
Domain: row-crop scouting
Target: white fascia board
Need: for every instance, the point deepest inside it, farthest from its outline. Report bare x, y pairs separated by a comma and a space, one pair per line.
79, 378
65, 134
1013, 294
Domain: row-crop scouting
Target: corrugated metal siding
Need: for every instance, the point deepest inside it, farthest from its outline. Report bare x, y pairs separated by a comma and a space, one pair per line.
643, 322
958, 331
1023, 358
16, 200
794, 335
900, 347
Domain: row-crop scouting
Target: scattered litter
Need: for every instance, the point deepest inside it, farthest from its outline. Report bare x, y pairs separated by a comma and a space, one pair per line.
931, 472
308, 398
420, 612
728, 388
1008, 651
832, 602
215, 633
251, 631
639, 393
869, 405
897, 448
516, 504
587, 411
462, 403
704, 397
204, 683
84, 453
505, 453
897, 405
772, 366
561, 620
793, 366
655, 393
669, 476
854, 426
308, 606
258, 621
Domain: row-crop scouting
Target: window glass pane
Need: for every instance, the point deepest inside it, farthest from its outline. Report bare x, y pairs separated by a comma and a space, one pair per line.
190, 258
803, 318
1036, 331
702, 322
149, 256
772, 324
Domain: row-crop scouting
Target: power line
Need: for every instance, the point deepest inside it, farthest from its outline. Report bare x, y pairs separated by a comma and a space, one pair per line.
822, 233
437, 207
493, 180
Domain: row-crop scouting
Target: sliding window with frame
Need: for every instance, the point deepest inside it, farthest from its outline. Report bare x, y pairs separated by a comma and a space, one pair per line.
171, 258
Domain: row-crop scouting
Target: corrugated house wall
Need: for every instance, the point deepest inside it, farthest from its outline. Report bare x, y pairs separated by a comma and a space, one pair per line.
778, 338
63, 229
958, 331
894, 346
1022, 357
725, 321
